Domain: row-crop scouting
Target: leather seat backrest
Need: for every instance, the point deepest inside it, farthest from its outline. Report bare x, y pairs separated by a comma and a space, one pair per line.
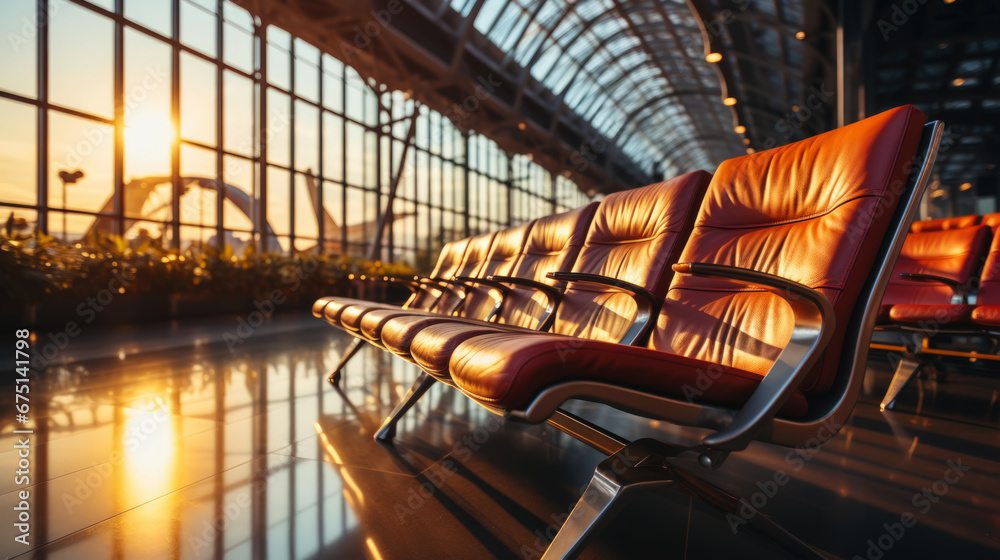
992, 221
552, 246
476, 253
944, 224
635, 236
503, 255
956, 254
989, 287
447, 264
814, 212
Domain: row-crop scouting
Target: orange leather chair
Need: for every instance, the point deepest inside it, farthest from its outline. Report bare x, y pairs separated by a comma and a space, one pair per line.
987, 311
529, 298
764, 332
933, 277
928, 295
615, 285
427, 293
945, 224
633, 240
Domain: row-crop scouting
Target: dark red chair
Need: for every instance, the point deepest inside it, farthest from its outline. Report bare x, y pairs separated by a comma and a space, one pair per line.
945, 224
764, 334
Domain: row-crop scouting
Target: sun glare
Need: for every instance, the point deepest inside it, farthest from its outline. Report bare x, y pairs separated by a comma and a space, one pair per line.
149, 137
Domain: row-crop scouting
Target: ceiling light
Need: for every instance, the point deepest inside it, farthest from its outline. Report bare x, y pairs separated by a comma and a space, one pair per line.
521, 126
957, 82
800, 35
746, 141
740, 129
938, 193
729, 101
965, 186
750, 150
713, 57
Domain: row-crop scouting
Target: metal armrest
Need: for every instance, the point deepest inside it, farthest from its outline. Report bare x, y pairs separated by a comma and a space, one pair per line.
646, 303
814, 325
552, 297
504, 290
429, 285
417, 284
467, 280
957, 288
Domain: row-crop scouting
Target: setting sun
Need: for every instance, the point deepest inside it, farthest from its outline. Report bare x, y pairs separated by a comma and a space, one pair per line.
148, 138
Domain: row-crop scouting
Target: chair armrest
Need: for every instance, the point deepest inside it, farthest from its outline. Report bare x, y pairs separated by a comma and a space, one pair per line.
418, 283
504, 290
552, 297
646, 303
814, 326
957, 288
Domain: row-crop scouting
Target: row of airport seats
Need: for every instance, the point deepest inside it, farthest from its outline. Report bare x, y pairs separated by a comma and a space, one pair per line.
740, 305
946, 283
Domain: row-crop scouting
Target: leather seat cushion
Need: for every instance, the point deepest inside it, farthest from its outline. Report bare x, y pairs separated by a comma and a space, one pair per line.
397, 333
352, 316
370, 324
433, 346
931, 314
335, 312
508, 369
988, 315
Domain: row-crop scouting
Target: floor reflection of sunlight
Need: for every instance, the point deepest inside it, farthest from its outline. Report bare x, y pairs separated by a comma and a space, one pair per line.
149, 444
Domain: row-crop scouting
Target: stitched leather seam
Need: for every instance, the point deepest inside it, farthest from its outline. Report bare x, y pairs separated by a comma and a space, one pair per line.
793, 220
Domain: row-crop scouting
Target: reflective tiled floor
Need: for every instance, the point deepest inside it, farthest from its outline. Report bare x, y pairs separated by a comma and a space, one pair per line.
164, 443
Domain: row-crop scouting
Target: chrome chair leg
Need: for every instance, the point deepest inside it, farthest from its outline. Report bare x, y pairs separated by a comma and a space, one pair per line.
352, 349
905, 371
417, 390
643, 465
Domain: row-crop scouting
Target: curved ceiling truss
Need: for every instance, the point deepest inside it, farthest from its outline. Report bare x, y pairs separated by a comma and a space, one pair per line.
612, 93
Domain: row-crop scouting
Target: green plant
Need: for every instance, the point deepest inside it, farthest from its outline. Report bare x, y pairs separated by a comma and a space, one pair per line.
37, 267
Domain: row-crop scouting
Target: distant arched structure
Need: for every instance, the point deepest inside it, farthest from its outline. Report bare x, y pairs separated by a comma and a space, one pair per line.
137, 191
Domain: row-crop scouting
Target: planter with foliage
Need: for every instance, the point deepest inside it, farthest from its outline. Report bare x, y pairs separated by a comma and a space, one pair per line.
105, 279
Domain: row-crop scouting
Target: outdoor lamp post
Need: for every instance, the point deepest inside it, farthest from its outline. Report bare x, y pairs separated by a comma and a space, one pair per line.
68, 178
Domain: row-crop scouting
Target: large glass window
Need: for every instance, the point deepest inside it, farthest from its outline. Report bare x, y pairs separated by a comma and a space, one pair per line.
300, 157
